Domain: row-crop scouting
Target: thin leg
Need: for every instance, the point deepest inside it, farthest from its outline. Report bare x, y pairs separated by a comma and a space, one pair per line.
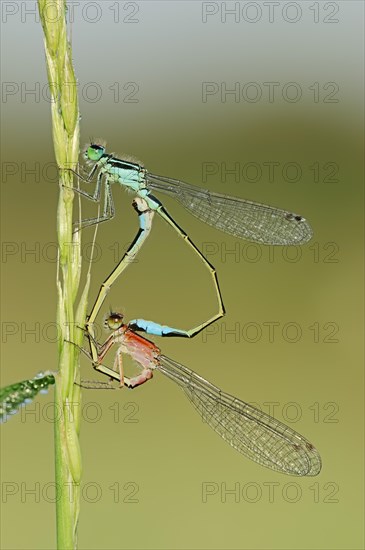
88, 178
145, 223
130, 383
96, 385
118, 365
118, 372
95, 197
114, 374
108, 212
194, 331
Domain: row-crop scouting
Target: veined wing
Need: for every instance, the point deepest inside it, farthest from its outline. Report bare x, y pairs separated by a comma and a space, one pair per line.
250, 431
246, 219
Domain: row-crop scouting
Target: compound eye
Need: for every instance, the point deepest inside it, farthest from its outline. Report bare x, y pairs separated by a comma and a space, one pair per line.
94, 152
114, 321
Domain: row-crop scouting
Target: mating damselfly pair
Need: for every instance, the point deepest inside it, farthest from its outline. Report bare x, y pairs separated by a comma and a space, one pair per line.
252, 432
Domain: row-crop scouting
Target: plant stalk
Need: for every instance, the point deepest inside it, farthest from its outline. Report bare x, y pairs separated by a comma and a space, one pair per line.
65, 131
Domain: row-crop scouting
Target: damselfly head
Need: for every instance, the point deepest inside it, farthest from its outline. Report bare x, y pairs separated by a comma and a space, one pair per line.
93, 152
113, 321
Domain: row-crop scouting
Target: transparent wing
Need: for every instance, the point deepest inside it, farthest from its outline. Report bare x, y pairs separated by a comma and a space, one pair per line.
250, 431
249, 220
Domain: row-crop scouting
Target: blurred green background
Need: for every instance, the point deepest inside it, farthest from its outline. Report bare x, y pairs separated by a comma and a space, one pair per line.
154, 475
